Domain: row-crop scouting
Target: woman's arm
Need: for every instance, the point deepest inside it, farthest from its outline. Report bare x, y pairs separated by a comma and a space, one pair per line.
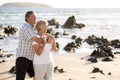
53, 44
39, 48
51, 39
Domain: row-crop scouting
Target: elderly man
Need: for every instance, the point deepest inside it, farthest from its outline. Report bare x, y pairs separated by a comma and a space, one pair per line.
25, 52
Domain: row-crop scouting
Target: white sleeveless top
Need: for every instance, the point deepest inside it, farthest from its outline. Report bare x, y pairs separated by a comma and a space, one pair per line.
45, 57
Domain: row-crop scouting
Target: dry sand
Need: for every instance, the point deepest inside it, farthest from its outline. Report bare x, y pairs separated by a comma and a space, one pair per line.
76, 67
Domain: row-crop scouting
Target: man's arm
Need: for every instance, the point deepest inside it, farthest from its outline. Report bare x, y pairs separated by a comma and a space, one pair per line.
36, 39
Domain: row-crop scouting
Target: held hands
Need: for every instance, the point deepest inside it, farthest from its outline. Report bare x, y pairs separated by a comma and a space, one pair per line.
43, 41
49, 39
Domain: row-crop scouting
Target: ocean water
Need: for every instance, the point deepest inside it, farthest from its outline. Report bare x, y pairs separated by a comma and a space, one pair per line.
100, 22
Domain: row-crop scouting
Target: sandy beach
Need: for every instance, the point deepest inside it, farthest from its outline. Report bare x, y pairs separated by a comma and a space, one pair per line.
76, 67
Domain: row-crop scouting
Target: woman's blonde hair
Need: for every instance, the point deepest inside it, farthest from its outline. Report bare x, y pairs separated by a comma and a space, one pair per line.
40, 24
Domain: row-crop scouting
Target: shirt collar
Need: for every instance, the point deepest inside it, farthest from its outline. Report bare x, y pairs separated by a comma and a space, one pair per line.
29, 25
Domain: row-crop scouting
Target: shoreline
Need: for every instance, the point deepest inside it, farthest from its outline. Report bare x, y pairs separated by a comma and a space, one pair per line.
76, 67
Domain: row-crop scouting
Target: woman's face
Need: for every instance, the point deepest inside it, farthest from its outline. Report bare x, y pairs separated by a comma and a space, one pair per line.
43, 29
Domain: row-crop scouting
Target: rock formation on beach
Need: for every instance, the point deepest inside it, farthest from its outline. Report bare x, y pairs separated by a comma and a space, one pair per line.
25, 4
71, 23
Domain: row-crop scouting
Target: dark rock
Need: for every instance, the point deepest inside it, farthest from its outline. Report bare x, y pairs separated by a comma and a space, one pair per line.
10, 30
9, 55
13, 70
57, 34
92, 77
61, 70
74, 37
57, 45
95, 70
55, 68
3, 61
70, 47
1, 55
94, 60
53, 22
102, 72
109, 73
70, 23
89, 59
107, 59
65, 33
78, 41
116, 52
80, 25
94, 53
50, 31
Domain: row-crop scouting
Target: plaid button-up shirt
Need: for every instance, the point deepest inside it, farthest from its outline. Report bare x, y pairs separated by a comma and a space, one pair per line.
25, 48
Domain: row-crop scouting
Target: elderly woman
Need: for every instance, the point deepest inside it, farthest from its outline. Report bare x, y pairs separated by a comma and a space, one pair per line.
43, 60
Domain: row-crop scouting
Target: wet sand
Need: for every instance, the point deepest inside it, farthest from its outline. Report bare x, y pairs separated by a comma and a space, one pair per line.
76, 67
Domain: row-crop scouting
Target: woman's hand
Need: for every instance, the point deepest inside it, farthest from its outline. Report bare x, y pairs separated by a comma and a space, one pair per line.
50, 39
43, 41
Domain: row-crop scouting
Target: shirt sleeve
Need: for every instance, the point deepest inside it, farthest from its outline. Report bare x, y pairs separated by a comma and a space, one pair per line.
34, 42
29, 33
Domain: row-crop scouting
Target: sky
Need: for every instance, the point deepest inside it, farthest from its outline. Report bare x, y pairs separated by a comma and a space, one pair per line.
73, 3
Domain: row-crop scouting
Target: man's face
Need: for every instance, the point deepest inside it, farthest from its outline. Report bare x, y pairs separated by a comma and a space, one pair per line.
32, 19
